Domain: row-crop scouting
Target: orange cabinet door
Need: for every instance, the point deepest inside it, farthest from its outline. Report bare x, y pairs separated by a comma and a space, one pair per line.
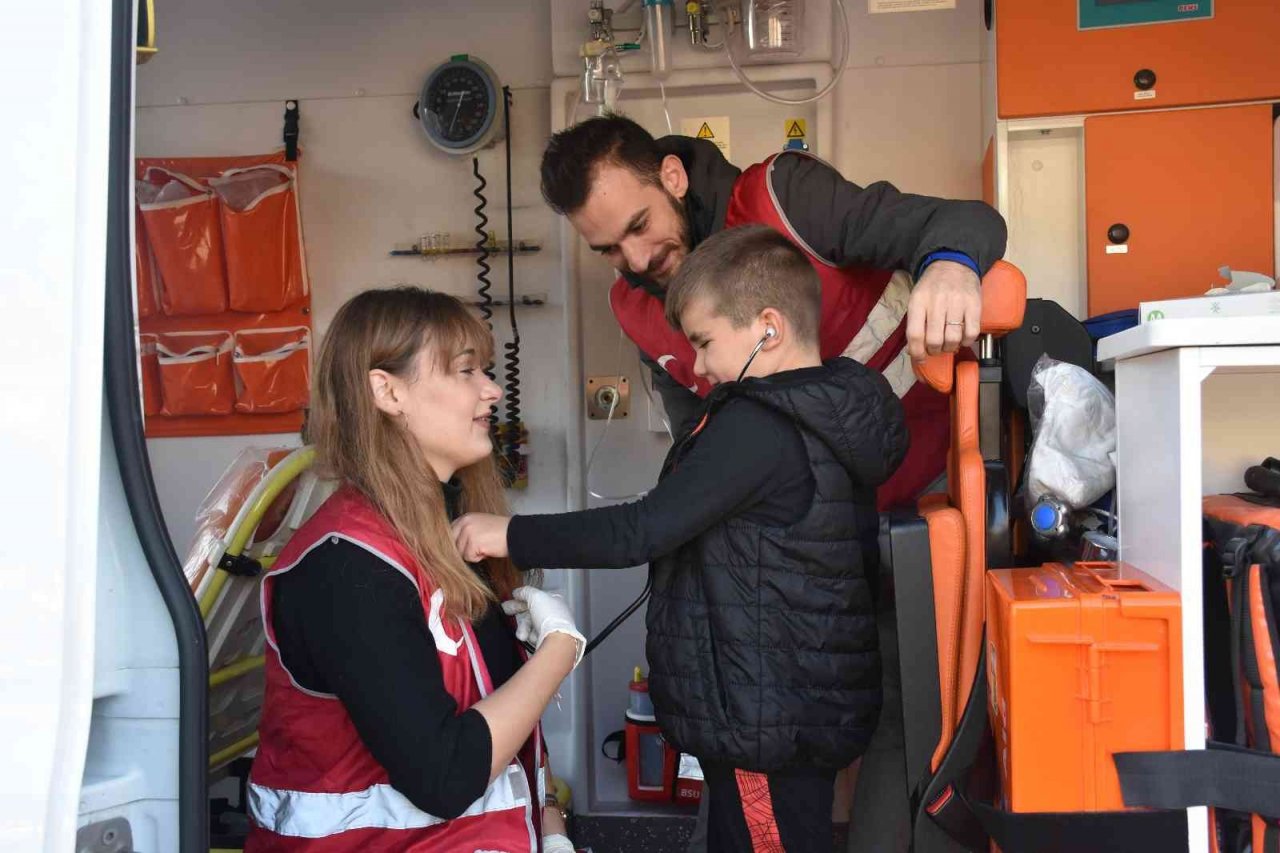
1193, 189
1046, 65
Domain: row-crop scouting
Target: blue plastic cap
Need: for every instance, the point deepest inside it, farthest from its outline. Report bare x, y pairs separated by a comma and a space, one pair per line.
1044, 517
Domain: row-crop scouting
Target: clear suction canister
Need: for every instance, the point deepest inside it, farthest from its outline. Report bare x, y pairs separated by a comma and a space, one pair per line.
659, 24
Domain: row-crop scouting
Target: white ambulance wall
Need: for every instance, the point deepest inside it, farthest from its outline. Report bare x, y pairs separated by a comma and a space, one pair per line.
907, 110
369, 179
1046, 215
371, 182
909, 107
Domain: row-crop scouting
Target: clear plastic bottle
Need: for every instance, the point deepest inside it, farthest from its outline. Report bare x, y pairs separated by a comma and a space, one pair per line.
659, 24
602, 80
611, 81
592, 85
774, 26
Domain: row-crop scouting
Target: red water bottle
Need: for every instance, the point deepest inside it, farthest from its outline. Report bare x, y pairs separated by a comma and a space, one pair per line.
651, 763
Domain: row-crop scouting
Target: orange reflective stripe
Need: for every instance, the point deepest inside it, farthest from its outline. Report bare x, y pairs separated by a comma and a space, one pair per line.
1266, 657
757, 808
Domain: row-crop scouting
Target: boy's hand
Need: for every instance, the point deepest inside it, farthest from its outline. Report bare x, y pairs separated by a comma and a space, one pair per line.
478, 535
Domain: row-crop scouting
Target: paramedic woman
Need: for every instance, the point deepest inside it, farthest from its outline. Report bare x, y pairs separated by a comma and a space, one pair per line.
400, 711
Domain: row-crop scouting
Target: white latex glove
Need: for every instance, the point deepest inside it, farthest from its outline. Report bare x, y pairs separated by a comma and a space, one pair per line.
539, 614
556, 844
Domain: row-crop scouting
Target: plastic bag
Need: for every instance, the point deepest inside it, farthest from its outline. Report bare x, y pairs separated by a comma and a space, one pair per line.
240, 190
219, 508
1073, 418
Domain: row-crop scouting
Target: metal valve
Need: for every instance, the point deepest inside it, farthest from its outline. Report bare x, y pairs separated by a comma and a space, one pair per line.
608, 397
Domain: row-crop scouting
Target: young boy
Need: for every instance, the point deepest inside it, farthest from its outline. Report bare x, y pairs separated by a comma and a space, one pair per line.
761, 540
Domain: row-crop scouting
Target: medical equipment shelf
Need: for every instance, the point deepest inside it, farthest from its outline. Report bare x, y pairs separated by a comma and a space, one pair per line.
1160, 369
522, 248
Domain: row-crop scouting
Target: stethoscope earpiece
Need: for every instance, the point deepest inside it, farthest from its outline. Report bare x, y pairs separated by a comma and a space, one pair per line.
769, 332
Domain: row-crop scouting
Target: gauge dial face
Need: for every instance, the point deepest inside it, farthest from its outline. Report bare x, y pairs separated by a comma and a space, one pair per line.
459, 105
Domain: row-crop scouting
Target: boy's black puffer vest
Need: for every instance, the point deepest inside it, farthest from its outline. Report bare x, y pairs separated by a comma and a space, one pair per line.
762, 641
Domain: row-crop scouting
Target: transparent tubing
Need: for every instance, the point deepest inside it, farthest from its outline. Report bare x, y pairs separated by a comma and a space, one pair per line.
840, 66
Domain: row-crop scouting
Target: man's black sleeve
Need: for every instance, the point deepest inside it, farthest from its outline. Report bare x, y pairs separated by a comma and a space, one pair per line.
680, 404
877, 225
350, 624
749, 461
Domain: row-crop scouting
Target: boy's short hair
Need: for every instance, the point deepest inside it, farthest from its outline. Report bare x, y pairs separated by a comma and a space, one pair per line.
574, 155
743, 271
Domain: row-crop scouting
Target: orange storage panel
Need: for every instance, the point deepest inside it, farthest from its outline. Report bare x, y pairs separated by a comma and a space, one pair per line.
1083, 662
1193, 189
1047, 65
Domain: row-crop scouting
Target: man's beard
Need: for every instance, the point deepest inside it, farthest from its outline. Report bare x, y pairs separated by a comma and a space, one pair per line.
685, 237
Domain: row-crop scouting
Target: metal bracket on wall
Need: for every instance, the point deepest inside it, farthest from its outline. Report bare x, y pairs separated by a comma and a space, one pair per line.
106, 836
605, 391
291, 130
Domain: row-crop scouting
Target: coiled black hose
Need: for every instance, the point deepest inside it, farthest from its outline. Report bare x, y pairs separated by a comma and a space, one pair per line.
482, 261
511, 445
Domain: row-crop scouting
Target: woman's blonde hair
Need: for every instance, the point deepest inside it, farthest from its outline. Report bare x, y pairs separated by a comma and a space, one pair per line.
366, 448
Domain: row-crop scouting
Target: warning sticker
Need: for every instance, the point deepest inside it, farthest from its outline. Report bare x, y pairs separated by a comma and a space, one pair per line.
795, 128
714, 129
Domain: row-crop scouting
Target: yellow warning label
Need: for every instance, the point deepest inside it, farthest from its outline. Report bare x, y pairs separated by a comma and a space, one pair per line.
795, 128
713, 129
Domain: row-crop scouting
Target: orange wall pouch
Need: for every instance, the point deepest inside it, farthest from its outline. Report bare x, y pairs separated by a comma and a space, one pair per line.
145, 276
149, 366
261, 231
195, 373
183, 228
272, 368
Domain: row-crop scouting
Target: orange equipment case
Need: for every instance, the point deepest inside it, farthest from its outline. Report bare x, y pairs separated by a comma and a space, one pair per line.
1082, 662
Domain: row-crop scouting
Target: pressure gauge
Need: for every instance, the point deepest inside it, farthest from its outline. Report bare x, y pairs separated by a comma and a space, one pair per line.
460, 107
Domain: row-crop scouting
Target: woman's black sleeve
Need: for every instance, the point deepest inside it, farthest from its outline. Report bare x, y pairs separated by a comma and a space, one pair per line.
350, 624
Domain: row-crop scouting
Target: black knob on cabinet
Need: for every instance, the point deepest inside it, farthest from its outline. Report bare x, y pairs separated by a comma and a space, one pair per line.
1144, 79
1118, 233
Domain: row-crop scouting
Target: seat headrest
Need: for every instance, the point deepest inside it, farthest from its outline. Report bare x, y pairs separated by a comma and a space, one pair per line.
1004, 300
